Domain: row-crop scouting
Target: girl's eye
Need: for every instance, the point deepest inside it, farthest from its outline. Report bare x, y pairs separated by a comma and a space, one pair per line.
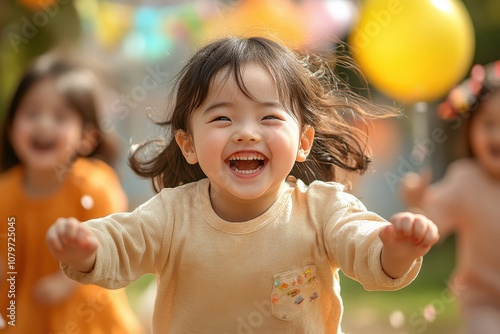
221, 118
31, 114
61, 117
488, 125
65, 115
270, 117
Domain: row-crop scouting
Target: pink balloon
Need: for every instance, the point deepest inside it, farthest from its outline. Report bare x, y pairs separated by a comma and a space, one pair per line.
328, 21
344, 14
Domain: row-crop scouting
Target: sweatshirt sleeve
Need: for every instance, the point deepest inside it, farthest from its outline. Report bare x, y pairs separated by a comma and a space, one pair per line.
353, 243
130, 245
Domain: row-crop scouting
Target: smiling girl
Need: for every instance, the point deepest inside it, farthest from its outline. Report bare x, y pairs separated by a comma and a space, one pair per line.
247, 233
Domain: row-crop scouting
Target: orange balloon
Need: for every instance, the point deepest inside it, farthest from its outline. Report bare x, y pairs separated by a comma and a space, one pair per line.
35, 5
280, 20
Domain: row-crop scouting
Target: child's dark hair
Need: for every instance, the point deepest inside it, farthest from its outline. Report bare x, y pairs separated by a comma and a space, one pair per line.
466, 98
78, 86
307, 86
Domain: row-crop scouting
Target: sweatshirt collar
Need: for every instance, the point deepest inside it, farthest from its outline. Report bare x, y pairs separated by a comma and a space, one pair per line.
241, 227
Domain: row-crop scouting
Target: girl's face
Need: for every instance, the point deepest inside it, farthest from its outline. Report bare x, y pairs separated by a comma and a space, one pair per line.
485, 134
46, 132
246, 148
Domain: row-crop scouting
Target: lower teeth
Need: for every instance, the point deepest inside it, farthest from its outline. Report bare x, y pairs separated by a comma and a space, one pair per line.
247, 171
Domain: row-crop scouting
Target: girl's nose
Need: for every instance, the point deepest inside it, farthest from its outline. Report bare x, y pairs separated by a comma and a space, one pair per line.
45, 122
247, 133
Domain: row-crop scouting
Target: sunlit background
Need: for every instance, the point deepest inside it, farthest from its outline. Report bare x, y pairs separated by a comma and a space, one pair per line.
411, 52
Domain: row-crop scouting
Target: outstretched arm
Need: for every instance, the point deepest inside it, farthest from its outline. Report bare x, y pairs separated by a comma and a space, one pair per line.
72, 243
415, 190
409, 237
439, 201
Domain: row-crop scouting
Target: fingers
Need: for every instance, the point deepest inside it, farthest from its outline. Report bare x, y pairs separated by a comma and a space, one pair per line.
418, 181
411, 180
403, 224
414, 187
417, 228
431, 237
53, 237
426, 176
387, 234
65, 232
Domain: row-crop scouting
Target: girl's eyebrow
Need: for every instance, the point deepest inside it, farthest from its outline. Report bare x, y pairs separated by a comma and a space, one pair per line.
273, 104
266, 104
215, 106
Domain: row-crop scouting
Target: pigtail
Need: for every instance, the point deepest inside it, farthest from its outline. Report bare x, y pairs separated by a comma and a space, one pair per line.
340, 118
167, 168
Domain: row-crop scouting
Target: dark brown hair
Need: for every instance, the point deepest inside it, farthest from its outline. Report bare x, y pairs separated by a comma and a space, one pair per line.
78, 86
463, 102
307, 86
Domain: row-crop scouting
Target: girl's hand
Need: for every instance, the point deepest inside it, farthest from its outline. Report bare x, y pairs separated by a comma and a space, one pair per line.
53, 289
409, 237
414, 186
73, 243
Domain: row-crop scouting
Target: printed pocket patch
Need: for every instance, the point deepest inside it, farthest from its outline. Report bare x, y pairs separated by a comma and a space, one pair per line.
293, 291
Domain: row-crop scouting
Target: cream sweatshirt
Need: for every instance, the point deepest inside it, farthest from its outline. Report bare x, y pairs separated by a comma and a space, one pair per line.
277, 273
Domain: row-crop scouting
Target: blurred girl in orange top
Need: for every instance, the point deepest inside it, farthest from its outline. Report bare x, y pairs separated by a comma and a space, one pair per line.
50, 133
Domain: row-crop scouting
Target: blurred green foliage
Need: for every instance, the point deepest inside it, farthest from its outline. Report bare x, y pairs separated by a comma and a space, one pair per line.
26, 34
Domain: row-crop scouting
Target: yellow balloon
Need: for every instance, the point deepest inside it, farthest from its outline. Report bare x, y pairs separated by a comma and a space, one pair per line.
114, 20
413, 50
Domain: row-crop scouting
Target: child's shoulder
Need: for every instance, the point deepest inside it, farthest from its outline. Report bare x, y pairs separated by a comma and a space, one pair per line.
99, 181
93, 169
10, 179
189, 196
325, 192
189, 189
93, 175
463, 169
462, 175
324, 186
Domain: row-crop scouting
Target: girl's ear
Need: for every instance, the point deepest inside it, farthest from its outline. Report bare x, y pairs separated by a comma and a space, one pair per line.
306, 142
89, 142
185, 142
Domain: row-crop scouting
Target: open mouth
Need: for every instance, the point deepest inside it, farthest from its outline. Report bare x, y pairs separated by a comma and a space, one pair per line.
43, 145
247, 163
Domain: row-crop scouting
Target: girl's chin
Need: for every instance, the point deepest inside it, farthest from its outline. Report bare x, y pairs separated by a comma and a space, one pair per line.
242, 192
45, 166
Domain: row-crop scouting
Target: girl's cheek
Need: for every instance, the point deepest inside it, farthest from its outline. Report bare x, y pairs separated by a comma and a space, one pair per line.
23, 130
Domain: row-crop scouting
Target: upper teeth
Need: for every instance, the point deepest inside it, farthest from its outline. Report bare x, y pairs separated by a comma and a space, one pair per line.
252, 157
